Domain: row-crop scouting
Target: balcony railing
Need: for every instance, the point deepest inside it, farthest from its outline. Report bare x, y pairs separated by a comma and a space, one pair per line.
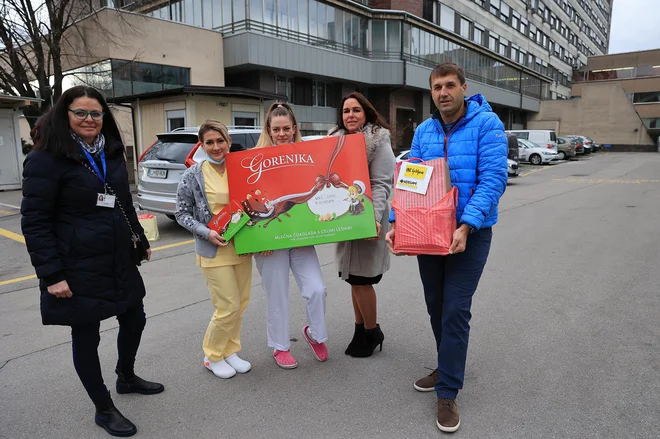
300, 37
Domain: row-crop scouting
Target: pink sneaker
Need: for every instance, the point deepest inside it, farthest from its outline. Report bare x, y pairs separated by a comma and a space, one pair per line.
285, 360
320, 349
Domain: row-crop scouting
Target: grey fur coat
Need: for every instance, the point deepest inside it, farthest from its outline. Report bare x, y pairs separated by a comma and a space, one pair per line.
364, 257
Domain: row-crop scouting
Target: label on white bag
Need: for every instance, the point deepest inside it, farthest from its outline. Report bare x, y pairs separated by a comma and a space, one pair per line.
414, 178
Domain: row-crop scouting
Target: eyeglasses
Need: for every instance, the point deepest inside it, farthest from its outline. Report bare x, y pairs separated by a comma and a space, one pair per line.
82, 114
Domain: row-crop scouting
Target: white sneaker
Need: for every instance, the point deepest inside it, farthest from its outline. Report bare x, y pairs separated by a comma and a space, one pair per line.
219, 368
240, 365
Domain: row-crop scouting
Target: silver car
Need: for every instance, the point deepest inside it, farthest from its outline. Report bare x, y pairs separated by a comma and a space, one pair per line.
161, 166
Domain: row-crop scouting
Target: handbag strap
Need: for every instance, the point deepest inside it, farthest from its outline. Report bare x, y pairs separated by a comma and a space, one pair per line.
134, 237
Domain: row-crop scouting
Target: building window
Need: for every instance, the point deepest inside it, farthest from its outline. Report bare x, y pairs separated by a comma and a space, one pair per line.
136, 77
478, 35
492, 42
643, 98
245, 119
447, 18
652, 123
175, 119
505, 11
504, 46
494, 7
284, 86
515, 20
465, 28
319, 94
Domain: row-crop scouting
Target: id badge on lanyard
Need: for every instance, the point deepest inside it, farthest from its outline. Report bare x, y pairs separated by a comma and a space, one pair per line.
106, 200
102, 199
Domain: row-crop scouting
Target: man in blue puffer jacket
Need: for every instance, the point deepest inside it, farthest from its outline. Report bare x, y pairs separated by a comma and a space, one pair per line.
476, 146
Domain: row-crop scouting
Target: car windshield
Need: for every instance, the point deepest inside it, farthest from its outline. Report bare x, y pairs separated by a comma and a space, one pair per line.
528, 143
171, 148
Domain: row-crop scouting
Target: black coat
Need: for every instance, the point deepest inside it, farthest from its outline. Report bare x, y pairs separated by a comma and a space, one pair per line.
69, 238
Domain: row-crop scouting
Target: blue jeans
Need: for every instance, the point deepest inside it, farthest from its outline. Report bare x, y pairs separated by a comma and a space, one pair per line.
449, 283
85, 342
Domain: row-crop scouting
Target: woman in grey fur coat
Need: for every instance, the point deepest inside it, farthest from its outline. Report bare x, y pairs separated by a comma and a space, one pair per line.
362, 263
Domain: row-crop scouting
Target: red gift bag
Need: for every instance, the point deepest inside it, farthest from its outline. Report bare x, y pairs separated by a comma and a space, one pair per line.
425, 224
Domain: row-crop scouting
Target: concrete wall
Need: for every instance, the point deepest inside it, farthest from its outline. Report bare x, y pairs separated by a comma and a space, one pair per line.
112, 34
604, 113
640, 85
628, 59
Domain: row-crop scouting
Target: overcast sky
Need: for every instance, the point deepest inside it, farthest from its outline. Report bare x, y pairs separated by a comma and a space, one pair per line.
635, 25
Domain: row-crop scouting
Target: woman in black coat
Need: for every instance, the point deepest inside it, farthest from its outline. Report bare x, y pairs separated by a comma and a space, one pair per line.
85, 242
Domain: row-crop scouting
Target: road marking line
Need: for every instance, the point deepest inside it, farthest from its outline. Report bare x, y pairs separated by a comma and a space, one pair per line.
605, 181
18, 279
12, 235
532, 171
10, 205
21, 279
6, 212
176, 244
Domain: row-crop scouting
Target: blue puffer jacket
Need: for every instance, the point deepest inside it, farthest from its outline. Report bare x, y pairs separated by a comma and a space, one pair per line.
477, 150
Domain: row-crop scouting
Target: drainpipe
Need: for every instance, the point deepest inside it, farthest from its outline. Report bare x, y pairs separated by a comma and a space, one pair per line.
401, 54
139, 126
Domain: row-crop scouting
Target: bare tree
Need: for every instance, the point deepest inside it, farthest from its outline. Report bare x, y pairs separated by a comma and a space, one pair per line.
37, 37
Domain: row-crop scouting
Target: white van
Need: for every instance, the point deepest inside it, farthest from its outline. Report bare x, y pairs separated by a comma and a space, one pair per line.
543, 138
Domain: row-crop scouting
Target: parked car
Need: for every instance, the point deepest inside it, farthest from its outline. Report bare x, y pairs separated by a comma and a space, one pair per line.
566, 147
588, 142
403, 156
161, 166
536, 154
512, 168
540, 137
585, 149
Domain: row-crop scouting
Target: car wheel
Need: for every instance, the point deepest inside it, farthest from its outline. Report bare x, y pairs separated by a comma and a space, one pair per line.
562, 155
535, 159
172, 217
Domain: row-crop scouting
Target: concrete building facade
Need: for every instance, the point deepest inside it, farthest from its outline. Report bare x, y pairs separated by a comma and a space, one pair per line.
314, 52
615, 100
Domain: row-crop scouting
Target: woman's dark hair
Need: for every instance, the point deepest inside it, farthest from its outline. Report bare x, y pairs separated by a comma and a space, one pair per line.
51, 133
372, 116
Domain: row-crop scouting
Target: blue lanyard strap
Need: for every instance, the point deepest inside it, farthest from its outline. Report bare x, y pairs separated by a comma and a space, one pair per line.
95, 167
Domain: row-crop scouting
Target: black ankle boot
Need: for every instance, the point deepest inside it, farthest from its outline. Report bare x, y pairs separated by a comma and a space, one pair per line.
370, 341
111, 420
357, 338
135, 384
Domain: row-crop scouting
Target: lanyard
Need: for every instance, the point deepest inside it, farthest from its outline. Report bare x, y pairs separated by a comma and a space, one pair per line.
96, 168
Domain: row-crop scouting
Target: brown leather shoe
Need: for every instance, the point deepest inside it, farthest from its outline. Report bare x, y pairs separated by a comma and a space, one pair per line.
427, 384
448, 420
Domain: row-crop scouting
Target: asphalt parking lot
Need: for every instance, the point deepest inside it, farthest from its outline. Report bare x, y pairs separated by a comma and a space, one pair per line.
565, 339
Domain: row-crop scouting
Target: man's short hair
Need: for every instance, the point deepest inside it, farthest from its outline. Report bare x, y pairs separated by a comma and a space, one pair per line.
446, 69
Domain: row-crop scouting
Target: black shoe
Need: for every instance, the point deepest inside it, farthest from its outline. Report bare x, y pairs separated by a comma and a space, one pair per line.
111, 420
135, 384
357, 338
370, 341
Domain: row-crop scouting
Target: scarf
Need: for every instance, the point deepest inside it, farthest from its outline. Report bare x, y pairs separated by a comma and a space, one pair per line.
96, 147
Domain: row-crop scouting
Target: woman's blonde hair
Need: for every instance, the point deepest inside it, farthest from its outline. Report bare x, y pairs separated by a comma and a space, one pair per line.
214, 125
277, 109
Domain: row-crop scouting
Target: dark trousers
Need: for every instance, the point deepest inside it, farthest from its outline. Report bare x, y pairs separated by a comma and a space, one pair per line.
449, 283
86, 340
